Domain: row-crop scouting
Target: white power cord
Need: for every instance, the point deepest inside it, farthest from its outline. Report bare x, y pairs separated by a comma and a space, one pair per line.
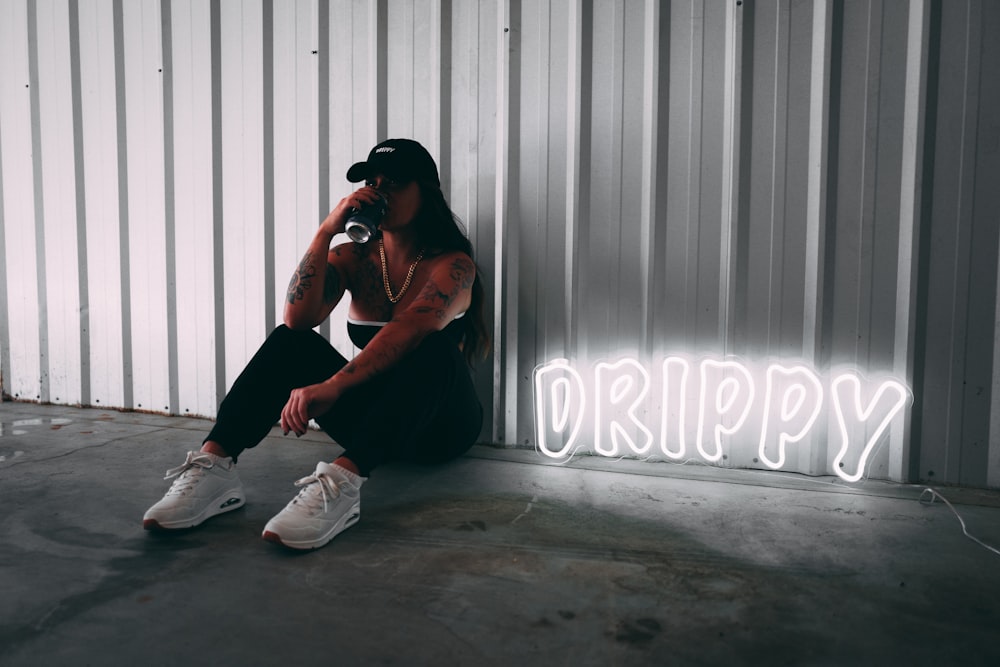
934, 494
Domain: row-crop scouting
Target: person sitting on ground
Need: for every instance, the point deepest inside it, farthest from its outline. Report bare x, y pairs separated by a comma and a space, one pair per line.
415, 312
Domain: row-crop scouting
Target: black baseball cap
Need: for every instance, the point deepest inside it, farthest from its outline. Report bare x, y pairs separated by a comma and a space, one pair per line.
402, 160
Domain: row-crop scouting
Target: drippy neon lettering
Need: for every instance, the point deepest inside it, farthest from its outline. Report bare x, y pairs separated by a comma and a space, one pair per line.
708, 407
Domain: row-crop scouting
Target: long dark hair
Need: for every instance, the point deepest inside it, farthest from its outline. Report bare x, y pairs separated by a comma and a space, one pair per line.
441, 231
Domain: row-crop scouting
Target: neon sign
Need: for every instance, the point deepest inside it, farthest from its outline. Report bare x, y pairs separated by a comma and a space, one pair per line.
708, 408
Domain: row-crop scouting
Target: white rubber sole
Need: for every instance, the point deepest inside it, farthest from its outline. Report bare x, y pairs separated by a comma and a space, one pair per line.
348, 520
230, 500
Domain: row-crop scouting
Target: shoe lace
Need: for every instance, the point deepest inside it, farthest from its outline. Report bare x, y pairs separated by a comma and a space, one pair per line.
324, 488
188, 473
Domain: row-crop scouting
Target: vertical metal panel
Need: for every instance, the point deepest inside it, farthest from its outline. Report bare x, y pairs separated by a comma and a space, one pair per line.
4, 312
983, 99
816, 169
142, 60
55, 111
993, 462
505, 289
243, 175
296, 147
413, 66
961, 261
772, 180
100, 163
350, 136
122, 190
911, 190
468, 135
192, 205
815, 207
23, 378
696, 36
989, 163
82, 314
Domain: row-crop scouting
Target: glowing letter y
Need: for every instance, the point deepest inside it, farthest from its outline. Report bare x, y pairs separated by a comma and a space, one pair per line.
847, 387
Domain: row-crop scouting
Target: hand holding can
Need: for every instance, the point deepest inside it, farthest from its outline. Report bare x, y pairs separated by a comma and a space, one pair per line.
363, 223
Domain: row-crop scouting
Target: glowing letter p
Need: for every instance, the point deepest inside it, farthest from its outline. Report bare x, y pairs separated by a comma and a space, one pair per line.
726, 396
792, 402
558, 395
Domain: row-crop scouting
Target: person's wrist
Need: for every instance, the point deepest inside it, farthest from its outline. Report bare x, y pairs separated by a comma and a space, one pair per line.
332, 386
327, 231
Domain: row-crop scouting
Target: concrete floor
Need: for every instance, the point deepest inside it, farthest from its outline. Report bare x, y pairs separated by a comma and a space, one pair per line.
495, 559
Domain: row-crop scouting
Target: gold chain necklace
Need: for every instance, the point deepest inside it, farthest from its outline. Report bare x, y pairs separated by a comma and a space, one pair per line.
385, 274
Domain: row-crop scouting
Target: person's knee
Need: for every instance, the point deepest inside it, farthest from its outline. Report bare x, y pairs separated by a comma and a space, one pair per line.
279, 333
283, 334
435, 354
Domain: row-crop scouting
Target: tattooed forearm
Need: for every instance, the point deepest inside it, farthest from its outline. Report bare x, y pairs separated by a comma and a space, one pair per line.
301, 279
373, 362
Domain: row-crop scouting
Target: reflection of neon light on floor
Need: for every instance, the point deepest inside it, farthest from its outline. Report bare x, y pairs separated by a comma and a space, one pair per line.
726, 401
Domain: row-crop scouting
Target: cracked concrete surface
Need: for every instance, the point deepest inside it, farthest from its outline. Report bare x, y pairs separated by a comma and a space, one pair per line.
499, 558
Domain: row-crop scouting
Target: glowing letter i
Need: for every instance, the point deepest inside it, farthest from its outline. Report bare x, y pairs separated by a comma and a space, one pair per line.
673, 419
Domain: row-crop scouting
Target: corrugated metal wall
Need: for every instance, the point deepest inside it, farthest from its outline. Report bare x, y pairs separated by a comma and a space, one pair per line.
815, 181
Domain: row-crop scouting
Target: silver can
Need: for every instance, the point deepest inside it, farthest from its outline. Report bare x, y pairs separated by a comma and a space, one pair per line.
364, 222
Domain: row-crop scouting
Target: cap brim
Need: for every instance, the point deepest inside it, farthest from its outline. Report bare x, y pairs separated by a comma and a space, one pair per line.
358, 172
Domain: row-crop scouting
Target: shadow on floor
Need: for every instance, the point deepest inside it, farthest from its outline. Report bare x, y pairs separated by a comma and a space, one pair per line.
493, 559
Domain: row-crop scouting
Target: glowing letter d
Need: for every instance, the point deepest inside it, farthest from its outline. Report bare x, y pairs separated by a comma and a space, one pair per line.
559, 407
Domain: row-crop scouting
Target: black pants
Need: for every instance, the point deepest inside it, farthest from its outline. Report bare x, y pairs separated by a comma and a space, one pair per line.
424, 409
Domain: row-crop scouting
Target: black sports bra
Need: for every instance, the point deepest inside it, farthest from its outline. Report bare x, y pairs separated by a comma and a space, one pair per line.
361, 333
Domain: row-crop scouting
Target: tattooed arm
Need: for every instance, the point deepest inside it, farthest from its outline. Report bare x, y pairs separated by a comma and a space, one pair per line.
316, 286
446, 293
319, 282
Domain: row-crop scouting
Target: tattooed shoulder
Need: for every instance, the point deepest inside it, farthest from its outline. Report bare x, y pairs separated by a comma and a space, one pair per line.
463, 271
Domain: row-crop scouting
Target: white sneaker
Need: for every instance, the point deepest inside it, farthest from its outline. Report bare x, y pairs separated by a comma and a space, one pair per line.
206, 485
328, 504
